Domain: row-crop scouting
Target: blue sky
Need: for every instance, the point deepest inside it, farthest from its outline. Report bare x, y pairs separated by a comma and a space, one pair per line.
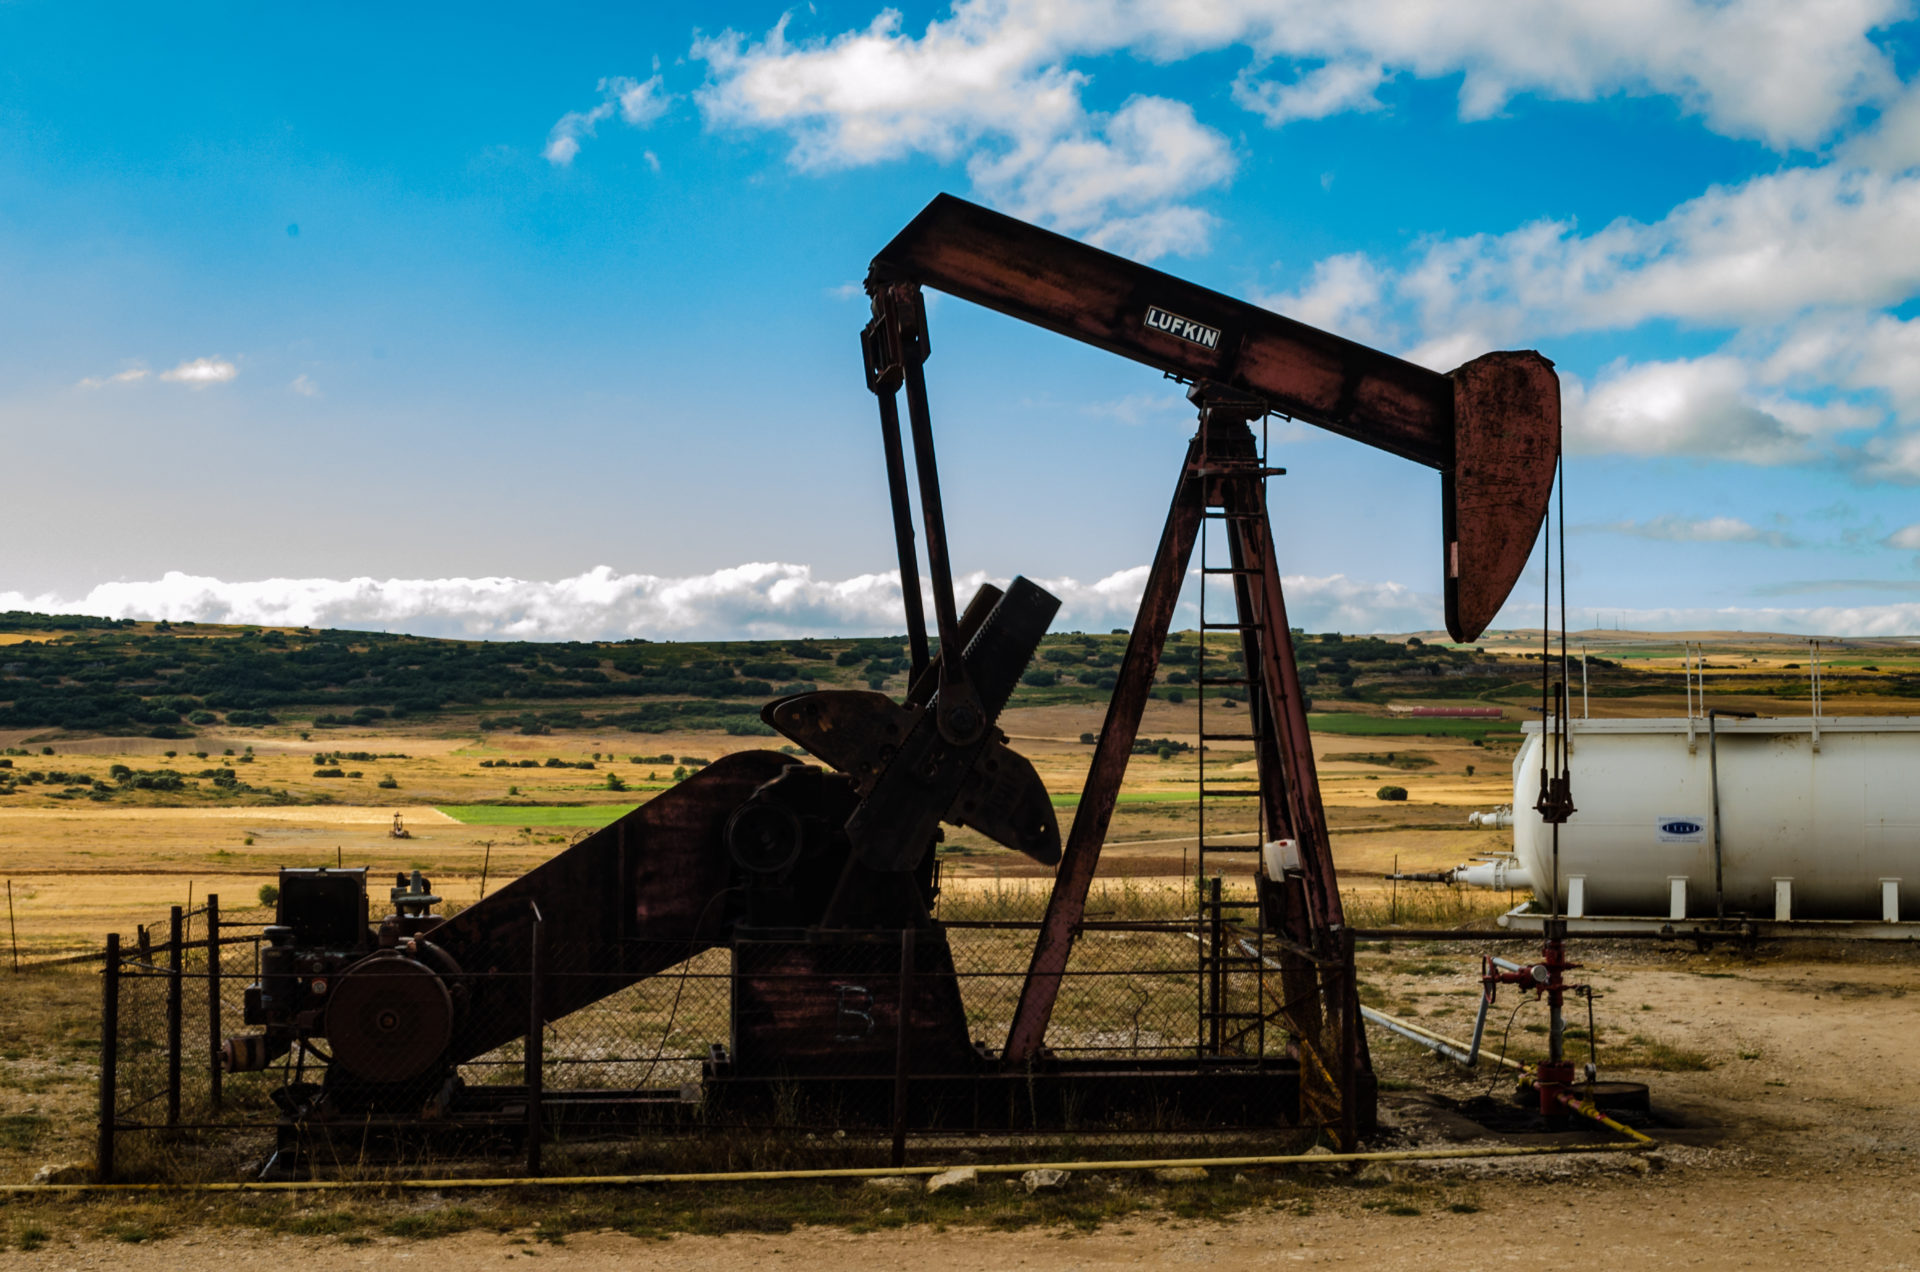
476, 320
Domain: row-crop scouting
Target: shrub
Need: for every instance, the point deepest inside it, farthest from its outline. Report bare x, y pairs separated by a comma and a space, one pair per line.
1391, 793
329, 772
1040, 679
388, 784
1086, 739
269, 894
203, 717
251, 719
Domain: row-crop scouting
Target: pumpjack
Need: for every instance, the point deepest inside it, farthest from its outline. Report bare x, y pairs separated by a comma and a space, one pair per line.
820, 881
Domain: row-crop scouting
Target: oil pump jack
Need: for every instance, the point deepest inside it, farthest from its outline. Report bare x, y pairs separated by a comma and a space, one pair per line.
820, 881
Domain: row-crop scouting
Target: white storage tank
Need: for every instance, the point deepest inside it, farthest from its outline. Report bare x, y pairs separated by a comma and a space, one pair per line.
1817, 819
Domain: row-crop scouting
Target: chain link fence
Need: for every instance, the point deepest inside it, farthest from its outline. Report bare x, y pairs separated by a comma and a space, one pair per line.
1170, 1037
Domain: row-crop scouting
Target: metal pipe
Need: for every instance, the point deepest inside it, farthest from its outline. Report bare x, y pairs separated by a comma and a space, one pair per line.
851, 1172
903, 531
1430, 1038
1459, 1055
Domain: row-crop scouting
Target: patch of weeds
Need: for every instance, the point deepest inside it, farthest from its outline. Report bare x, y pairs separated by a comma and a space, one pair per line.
30, 1237
20, 1131
332, 1224
1402, 1208
1748, 1055
1664, 1056
435, 1223
1463, 1208
130, 1231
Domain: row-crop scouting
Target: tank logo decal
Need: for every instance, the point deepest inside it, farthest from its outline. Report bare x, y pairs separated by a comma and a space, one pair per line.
1678, 828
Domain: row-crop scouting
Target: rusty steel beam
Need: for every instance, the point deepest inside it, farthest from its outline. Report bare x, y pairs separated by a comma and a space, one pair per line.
1068, 902
1491, 427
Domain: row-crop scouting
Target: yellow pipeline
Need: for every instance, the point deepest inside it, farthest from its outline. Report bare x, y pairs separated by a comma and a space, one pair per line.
851, 1172
1585, 1108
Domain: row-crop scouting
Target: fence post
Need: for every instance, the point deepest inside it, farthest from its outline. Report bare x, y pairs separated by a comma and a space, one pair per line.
901, 1048
175, 921
1349, 1046
536, 1046
109, 1059
213, 999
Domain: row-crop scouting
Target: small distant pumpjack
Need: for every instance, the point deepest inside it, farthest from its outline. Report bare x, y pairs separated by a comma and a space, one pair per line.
398, 830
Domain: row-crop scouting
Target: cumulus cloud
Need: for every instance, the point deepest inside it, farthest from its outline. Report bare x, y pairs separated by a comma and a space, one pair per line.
763, 600
771, 600
1332, 89
201, 372
1001, 83
1906, 538
303, 385
975, 88
638, 103
1698, 407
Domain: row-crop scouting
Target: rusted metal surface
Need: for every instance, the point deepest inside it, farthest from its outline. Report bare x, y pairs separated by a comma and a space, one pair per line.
859, 732
829, 1006
1486, 426
1506, 421
630, 900
914, 769
1106, 300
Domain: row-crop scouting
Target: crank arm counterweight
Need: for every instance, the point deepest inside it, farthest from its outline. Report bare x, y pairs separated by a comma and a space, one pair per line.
911, 776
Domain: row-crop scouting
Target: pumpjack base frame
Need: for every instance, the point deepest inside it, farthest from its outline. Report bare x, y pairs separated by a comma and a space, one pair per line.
1079, 1097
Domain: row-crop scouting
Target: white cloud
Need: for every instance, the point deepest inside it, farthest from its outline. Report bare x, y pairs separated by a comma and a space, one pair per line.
1332, 89
1899, 619
1672, 529
1763, 251
1907, 538
976, 87
1344, 294
776, 601
1688, 407
638, 102
303, 385
130, 376
760, 600
1117, 183
201, 372
1000, 83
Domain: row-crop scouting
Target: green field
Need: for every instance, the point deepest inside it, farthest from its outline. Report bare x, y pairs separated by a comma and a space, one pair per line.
1135, 797
524, 815
1405, 726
